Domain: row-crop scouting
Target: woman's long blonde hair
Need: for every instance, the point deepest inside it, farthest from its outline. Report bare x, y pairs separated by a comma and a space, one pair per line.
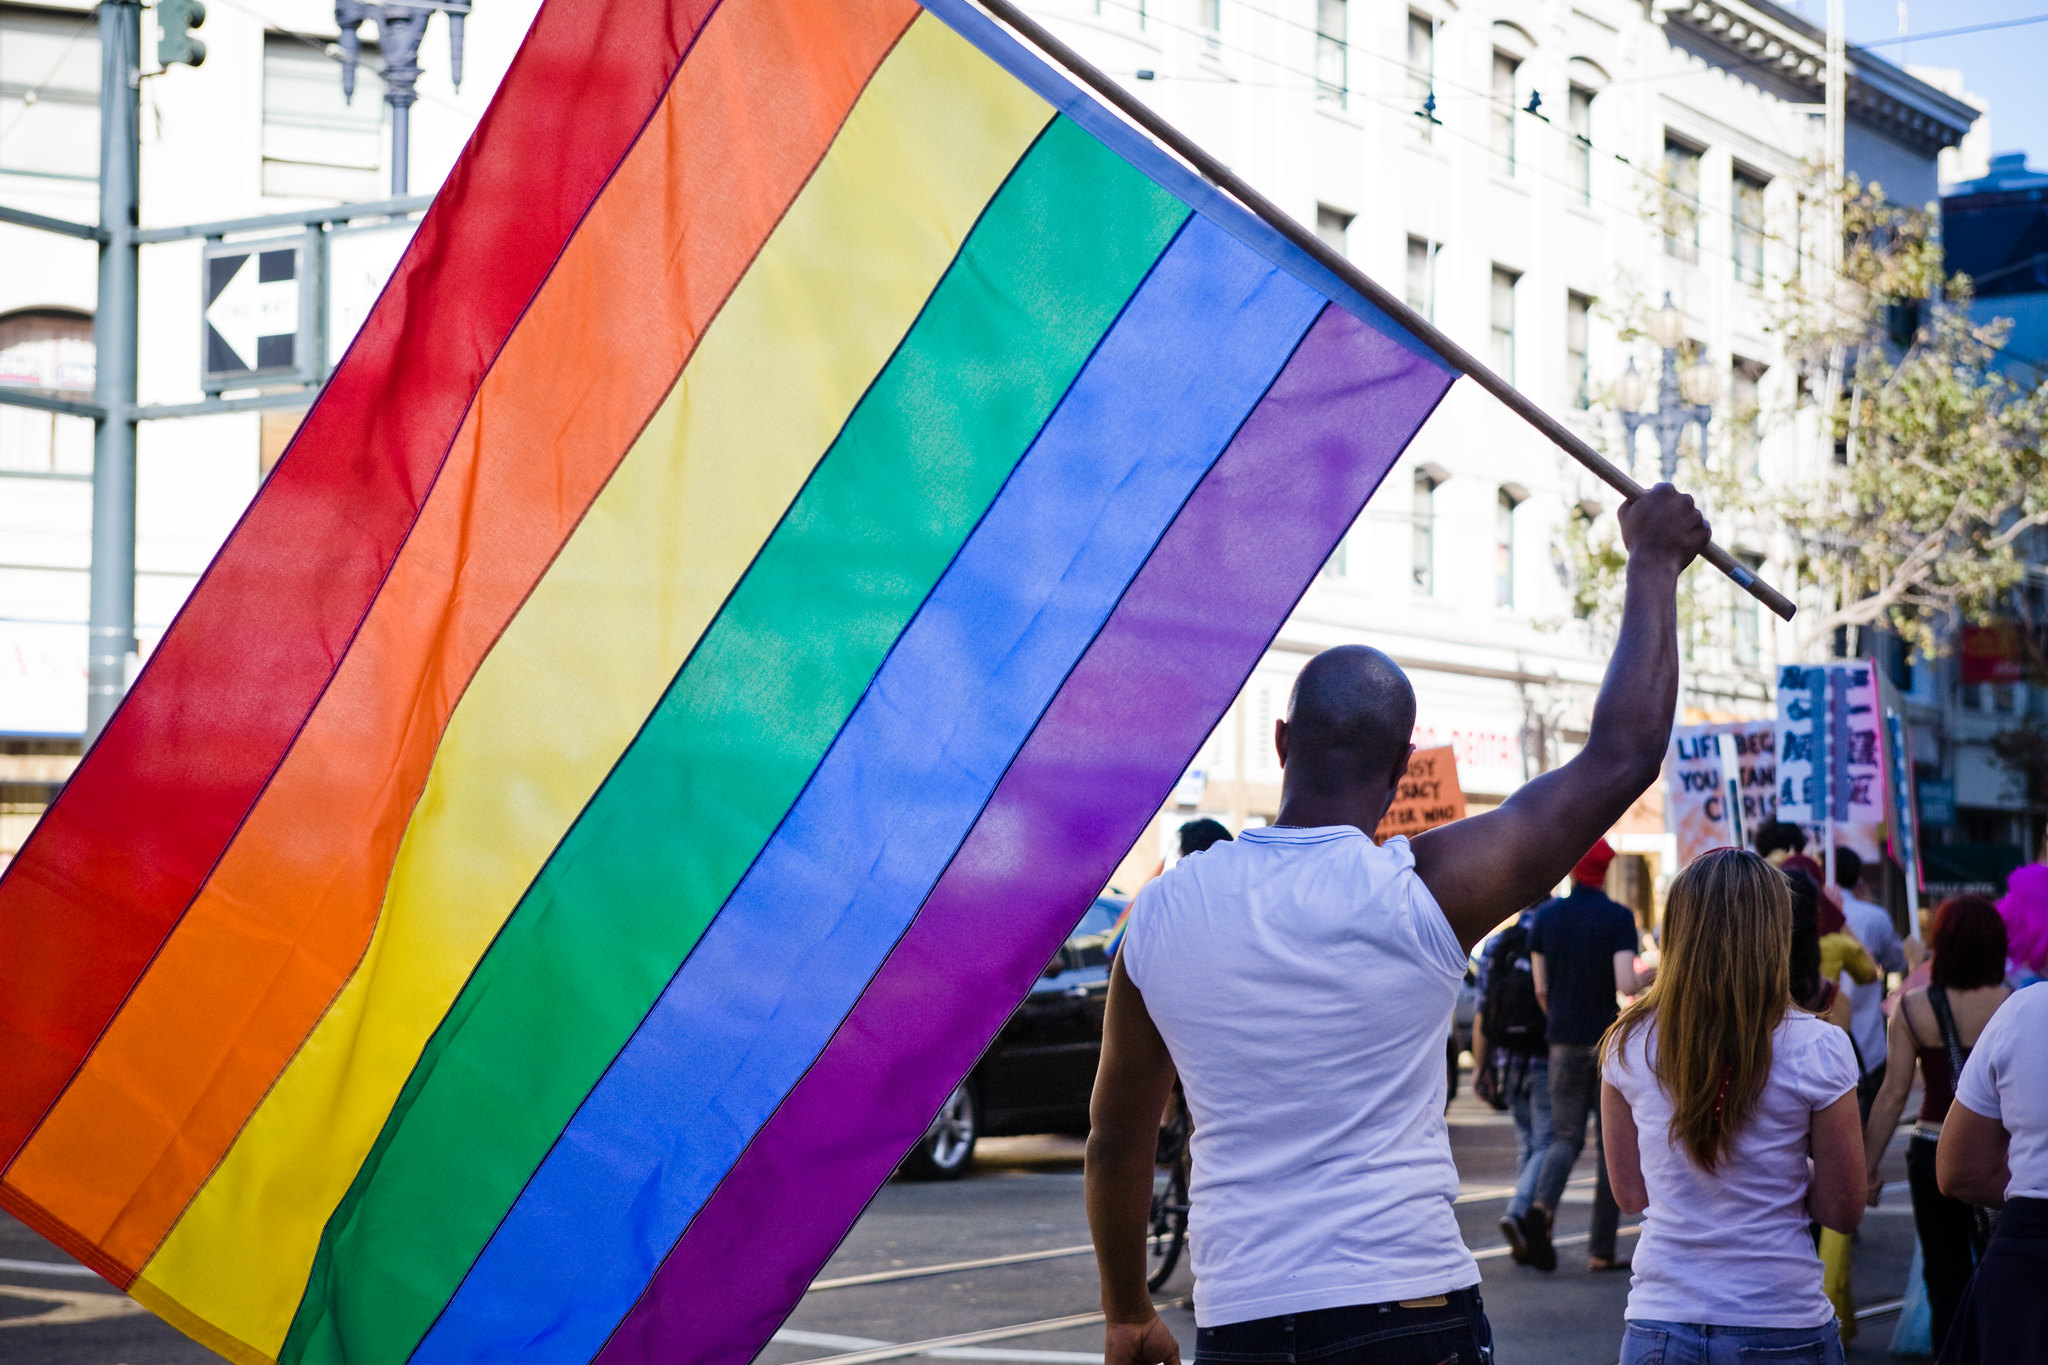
1724, 984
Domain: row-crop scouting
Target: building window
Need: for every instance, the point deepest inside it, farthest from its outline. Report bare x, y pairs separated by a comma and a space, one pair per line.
49, 94
1745, 414
1578, 317
1748, 228
1331, 51
1212, 15
1748, 620
1503, 111
316, 145
1334, 227
49, 351
1422, 543
1502, 331
1681, 200
1579, 122
1422, 71
1504, 505
1337, 565
1420, 292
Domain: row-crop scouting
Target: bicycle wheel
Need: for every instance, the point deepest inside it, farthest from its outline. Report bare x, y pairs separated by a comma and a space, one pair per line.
1169, 1226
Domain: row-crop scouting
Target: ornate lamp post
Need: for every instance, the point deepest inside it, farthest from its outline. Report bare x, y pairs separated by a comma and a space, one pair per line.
399, 30
1681, 398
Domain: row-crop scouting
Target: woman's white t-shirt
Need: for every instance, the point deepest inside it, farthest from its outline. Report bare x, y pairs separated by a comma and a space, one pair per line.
1303, 980
1732, 1247
2006, 1079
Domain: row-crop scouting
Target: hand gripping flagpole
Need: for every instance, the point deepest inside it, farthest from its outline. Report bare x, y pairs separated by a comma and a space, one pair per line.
1224, 179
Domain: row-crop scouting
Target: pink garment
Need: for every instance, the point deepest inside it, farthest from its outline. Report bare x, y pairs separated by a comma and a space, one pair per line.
2025, 910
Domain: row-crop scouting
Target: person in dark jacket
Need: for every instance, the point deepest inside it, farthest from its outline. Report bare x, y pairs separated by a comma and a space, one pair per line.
1583, 951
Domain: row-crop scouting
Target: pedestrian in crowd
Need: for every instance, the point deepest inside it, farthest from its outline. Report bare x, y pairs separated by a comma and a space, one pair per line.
1195, 836
2025, 911
1716, 1090
1777, 840
1513, 1060
1813, 989
1841, 954
1198, 835
1933, 1029
1300, 981
1993, 1151
1872, 926
1583, 950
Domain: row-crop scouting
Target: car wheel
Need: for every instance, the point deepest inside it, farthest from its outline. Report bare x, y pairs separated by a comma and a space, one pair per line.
947, 1148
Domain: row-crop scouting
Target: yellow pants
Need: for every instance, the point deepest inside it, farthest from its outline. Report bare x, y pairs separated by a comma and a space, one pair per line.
1834, 1260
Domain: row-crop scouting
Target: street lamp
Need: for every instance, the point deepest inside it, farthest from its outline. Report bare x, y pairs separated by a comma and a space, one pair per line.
1681, 398
400, 26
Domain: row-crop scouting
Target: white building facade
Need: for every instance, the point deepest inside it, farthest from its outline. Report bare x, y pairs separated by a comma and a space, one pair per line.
1509, 167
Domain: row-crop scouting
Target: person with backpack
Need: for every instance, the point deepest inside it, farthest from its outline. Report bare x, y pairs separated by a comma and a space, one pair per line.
1513, 1061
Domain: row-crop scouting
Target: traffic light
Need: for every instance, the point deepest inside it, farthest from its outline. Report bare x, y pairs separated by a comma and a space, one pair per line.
175, 21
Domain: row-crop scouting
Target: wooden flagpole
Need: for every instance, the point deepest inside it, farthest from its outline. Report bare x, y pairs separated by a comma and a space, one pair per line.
1459, 359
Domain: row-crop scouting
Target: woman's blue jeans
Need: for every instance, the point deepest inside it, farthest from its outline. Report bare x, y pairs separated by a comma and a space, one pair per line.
1691, 1343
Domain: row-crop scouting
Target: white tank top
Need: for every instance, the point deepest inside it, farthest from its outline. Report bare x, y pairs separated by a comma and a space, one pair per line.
1304, 980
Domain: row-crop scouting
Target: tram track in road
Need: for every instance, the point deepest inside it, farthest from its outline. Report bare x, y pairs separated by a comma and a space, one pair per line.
918, 1272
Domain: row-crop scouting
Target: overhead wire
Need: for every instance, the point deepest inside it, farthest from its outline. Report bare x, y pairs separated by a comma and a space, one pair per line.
1808, 260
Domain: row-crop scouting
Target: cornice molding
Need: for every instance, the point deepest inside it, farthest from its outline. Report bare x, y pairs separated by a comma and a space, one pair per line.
1765, 38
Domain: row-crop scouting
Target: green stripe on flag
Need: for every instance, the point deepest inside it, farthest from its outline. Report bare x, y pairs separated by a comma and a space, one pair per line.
1041, 278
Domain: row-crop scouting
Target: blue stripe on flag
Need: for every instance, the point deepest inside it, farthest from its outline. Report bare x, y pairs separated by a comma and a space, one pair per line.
792, 950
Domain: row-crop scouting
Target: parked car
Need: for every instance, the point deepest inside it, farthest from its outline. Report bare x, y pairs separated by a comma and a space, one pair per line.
1037, 1075
1461, 1025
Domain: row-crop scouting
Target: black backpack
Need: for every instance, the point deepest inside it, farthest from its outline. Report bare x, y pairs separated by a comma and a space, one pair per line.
1510, 1015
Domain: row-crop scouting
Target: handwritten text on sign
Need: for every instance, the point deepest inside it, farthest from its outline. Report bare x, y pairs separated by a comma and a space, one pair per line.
1708, 810
1429, 794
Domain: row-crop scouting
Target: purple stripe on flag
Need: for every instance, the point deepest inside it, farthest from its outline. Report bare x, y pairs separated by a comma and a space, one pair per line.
1147, 693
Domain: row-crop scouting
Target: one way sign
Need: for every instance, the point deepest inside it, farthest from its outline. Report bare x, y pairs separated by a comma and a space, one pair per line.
253, 307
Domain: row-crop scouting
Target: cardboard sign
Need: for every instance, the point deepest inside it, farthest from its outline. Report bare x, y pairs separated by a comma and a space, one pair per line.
1720, 783
1429, 795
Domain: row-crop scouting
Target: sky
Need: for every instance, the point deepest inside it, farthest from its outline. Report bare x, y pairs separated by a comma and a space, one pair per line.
2003, 65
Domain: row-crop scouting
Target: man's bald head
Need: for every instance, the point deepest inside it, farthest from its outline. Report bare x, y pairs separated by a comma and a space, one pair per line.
1349, 720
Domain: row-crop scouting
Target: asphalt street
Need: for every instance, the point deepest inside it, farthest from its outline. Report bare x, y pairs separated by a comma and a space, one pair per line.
1023, 1197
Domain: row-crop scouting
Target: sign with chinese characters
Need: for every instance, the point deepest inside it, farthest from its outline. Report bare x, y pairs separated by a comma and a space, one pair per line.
1830, 745
1429, 794
1720, 784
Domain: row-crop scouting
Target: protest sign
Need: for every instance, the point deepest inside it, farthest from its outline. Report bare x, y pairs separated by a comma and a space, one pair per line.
1831, 756
1428, 796
1720, 784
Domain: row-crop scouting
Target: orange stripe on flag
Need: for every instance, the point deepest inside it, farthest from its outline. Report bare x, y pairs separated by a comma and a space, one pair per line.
289, 911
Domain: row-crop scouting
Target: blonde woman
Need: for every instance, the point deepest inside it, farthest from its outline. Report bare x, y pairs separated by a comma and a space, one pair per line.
1716, 1087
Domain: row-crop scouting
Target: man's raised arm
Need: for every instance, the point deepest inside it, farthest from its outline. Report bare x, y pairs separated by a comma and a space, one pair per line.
1483, 869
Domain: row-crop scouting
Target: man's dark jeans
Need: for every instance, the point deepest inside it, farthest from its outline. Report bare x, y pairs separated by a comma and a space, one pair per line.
1574, 1093
1451, 1332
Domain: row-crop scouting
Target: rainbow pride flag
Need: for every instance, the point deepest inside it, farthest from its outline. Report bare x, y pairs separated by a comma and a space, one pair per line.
813, 482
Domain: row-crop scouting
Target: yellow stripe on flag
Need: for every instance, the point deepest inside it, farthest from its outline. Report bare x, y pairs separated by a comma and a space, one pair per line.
563, 693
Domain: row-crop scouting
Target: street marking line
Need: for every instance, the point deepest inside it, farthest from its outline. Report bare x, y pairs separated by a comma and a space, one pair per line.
1488, 1192
919, 1271
1576, 1239
69, 1306
1478, 1196
938, 1345
791, 1336
46, 1268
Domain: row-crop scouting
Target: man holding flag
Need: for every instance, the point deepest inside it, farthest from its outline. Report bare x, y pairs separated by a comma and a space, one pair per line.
1300, 982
